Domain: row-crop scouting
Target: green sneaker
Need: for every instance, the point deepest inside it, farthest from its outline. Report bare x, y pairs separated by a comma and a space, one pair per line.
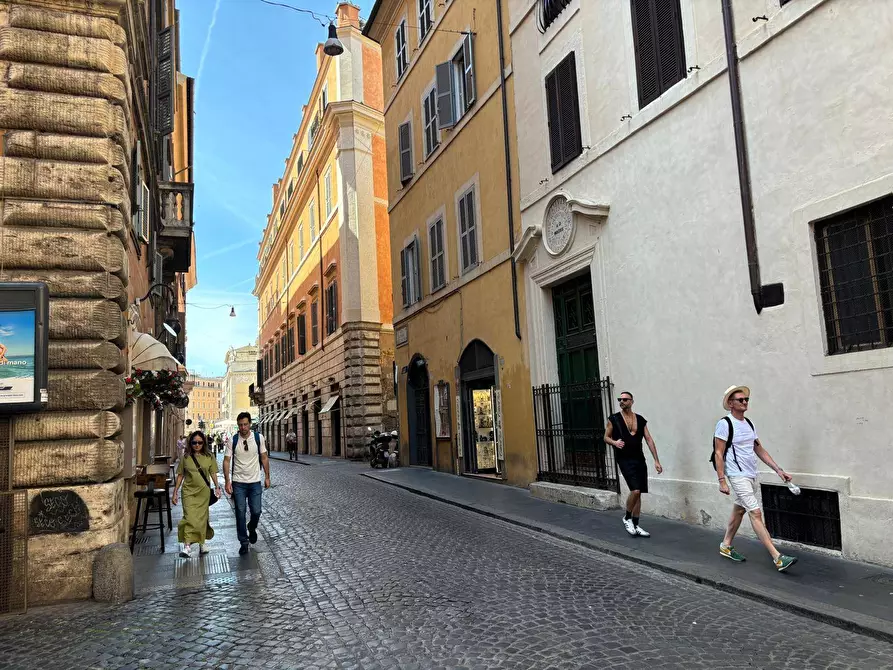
783, 562
730, 552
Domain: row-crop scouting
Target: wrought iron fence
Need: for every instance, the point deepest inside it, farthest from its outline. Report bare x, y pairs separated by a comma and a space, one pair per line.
570, 426
13, 551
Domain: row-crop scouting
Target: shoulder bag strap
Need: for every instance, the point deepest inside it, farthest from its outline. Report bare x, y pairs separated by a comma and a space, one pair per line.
200, 471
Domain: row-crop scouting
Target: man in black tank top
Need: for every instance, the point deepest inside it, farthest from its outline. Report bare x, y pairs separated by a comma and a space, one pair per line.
625, 432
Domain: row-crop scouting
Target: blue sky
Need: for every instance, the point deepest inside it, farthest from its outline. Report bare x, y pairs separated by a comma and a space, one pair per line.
254, 65
17, 332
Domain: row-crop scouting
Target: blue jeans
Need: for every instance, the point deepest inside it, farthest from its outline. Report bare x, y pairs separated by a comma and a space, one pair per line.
250, 493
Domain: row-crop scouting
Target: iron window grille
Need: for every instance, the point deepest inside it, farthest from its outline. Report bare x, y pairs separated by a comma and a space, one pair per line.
563, 108
659, 47
547, 12
855, 259
811, 518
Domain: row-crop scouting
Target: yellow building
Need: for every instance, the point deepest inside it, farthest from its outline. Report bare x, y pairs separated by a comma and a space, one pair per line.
205, 400
241, 371
465, 400
324, 285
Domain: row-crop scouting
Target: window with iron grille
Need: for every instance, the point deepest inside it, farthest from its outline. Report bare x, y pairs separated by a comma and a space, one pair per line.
468, 232
855, 259
302, 334
547, 12
438, 255
813, 517
400, 49
563, 107
426, 18
331, 308
314, 323
659, 46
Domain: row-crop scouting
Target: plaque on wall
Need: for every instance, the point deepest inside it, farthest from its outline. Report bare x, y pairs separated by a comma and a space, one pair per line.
401, 336
58, 512
442, 411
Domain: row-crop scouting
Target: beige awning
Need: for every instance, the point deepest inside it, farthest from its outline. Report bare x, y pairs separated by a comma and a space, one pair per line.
147, 353
330, 404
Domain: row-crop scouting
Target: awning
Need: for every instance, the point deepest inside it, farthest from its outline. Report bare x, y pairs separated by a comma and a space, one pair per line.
330, 404
293, 411
147, 353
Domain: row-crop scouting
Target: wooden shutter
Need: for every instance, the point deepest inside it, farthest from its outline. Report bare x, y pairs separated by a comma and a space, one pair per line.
670, 52
404, 286
659, 47
446, 108
165, 80
468, 62
563, 105
417, 278
405, 139
552, 108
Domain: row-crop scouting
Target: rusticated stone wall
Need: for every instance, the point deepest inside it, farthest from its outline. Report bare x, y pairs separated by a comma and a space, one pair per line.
65, 121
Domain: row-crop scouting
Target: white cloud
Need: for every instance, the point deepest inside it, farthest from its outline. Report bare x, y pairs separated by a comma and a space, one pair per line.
205, 49
6, 331
227, 249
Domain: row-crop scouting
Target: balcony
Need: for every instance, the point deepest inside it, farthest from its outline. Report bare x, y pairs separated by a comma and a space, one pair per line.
176, 225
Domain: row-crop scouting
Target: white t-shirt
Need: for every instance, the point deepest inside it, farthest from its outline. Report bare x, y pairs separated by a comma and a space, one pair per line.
742, 441
248, 469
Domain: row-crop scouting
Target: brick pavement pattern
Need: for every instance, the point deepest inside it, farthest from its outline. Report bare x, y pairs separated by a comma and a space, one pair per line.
375, 577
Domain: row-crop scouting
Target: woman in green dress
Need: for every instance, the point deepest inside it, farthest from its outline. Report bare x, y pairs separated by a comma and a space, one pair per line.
195, 526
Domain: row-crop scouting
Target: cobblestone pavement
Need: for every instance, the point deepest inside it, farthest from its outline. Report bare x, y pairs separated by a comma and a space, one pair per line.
375, 577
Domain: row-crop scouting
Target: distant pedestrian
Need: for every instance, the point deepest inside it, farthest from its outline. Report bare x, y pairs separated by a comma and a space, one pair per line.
630, 429
291, 443
195, 472
181, 447
736, 448
243, 457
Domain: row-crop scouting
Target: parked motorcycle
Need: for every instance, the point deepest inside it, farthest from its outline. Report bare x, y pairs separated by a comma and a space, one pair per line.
380, 453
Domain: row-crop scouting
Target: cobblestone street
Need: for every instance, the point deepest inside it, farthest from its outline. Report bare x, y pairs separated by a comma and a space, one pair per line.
370, 576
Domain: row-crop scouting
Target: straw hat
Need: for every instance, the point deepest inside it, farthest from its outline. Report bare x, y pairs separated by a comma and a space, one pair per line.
730, 392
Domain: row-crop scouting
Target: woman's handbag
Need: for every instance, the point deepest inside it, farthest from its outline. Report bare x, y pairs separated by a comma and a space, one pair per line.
212, 494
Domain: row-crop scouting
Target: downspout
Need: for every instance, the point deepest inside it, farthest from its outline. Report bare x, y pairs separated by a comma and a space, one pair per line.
508, 168
772, 294
322, 292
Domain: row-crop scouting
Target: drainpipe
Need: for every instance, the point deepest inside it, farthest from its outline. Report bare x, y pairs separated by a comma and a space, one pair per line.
508, 167
769, 295
322, 292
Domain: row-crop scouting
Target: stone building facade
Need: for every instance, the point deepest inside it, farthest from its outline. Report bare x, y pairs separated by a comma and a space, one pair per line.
324, 285
89, 92
241, 367
205, 401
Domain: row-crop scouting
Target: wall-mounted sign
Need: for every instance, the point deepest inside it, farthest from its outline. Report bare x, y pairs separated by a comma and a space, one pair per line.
24, 316
442, 411
401, 336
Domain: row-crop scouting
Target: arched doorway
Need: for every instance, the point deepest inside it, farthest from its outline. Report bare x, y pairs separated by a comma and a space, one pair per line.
418, 411
479, 419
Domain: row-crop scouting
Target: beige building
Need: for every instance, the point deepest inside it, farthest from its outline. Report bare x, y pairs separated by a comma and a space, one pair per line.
241, 369
324, 282
205, 400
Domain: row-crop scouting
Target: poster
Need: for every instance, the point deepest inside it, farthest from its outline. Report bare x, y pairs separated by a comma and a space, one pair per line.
442, 411
17, 337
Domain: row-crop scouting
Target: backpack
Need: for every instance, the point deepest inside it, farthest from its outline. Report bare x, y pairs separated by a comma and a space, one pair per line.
234, 441
729, 443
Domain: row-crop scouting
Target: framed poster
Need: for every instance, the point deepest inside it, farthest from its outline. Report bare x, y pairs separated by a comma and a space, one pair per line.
24, 309
442, 411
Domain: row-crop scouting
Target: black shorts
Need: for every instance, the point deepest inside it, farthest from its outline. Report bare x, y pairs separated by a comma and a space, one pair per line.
635, 473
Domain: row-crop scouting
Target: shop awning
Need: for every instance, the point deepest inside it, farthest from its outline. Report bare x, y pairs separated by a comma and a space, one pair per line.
293, 411
147, 353
330, 404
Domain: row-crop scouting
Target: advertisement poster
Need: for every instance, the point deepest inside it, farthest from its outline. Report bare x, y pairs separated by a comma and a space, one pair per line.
17, 335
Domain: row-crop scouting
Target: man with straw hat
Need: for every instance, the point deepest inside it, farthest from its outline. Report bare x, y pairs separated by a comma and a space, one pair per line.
736, 448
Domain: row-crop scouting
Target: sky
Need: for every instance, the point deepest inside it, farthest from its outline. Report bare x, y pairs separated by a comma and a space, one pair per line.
254, 65
17, 332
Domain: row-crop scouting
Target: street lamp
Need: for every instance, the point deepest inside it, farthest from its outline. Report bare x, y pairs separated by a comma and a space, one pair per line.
333, 46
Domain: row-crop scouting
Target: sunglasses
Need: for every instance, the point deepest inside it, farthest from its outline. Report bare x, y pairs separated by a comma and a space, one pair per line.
196, 443
624, 399
742, 399
245, 442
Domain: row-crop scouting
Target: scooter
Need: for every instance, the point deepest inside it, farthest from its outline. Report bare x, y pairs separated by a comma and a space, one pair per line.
380, 454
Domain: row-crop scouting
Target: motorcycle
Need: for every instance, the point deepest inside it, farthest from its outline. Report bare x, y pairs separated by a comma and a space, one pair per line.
380, 453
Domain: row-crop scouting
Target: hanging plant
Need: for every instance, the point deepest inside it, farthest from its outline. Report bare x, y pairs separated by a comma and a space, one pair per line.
157, 387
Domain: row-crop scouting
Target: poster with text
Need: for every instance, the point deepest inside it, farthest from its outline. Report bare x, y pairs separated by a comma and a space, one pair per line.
17, 356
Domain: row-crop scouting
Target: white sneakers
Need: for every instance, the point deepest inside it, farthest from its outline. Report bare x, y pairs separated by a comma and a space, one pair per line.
630, 526
642, 533
186, 552
202, 551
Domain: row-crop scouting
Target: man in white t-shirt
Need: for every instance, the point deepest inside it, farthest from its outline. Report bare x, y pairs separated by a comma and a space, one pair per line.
736, 467
243, 458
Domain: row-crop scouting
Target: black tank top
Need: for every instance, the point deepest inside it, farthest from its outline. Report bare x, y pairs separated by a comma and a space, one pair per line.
632, 451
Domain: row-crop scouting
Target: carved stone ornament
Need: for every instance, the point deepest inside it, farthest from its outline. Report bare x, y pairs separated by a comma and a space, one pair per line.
558, 229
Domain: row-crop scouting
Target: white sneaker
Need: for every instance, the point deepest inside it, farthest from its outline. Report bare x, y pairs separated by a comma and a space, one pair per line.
630, 526
186, 552
642, 533
202, 551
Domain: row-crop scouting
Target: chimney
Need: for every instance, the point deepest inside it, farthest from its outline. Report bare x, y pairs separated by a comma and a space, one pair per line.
348, 15
276, 190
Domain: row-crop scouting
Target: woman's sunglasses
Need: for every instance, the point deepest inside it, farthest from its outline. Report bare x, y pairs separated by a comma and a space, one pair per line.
196, 443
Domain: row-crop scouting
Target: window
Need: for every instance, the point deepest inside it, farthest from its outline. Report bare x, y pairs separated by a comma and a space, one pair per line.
426, 18
291, 343
312, 222
328, 192
300, 242
276, 359
331, 308
410, 277
291, 257
456, 85
314, 323
400, 49
404, 136
291, 187
468, 233
547, 11
314, 128
281, 213
301, 163
302, 334
284, 275
438, 256
855, 257
660, 51
325, 97
429, 115
563, 106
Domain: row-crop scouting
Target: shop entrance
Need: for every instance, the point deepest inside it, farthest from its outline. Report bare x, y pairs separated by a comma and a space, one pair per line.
480, 405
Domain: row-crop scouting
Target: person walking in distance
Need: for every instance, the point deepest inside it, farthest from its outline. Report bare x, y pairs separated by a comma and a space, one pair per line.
243, 458
625, 432
291, 443
736, 448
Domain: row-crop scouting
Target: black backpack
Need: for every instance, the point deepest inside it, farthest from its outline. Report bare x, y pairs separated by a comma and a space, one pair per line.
729, 443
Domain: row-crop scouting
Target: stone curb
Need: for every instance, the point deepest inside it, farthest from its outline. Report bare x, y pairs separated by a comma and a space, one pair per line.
850, 621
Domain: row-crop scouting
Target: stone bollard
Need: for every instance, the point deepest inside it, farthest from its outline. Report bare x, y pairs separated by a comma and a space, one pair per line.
113, 574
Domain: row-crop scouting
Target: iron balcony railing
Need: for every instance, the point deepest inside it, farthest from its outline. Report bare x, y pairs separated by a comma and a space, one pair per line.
570, 424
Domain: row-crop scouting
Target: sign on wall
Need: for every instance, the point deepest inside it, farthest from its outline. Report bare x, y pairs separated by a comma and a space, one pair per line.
442, 411
24, 315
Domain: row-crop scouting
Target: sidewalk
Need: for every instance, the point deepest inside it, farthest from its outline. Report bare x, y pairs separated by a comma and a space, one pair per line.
851, 595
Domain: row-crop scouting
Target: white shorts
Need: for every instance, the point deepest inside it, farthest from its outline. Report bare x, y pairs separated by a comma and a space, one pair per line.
745, 492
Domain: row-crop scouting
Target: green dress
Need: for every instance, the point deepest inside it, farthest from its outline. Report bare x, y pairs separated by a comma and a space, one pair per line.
195, 525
